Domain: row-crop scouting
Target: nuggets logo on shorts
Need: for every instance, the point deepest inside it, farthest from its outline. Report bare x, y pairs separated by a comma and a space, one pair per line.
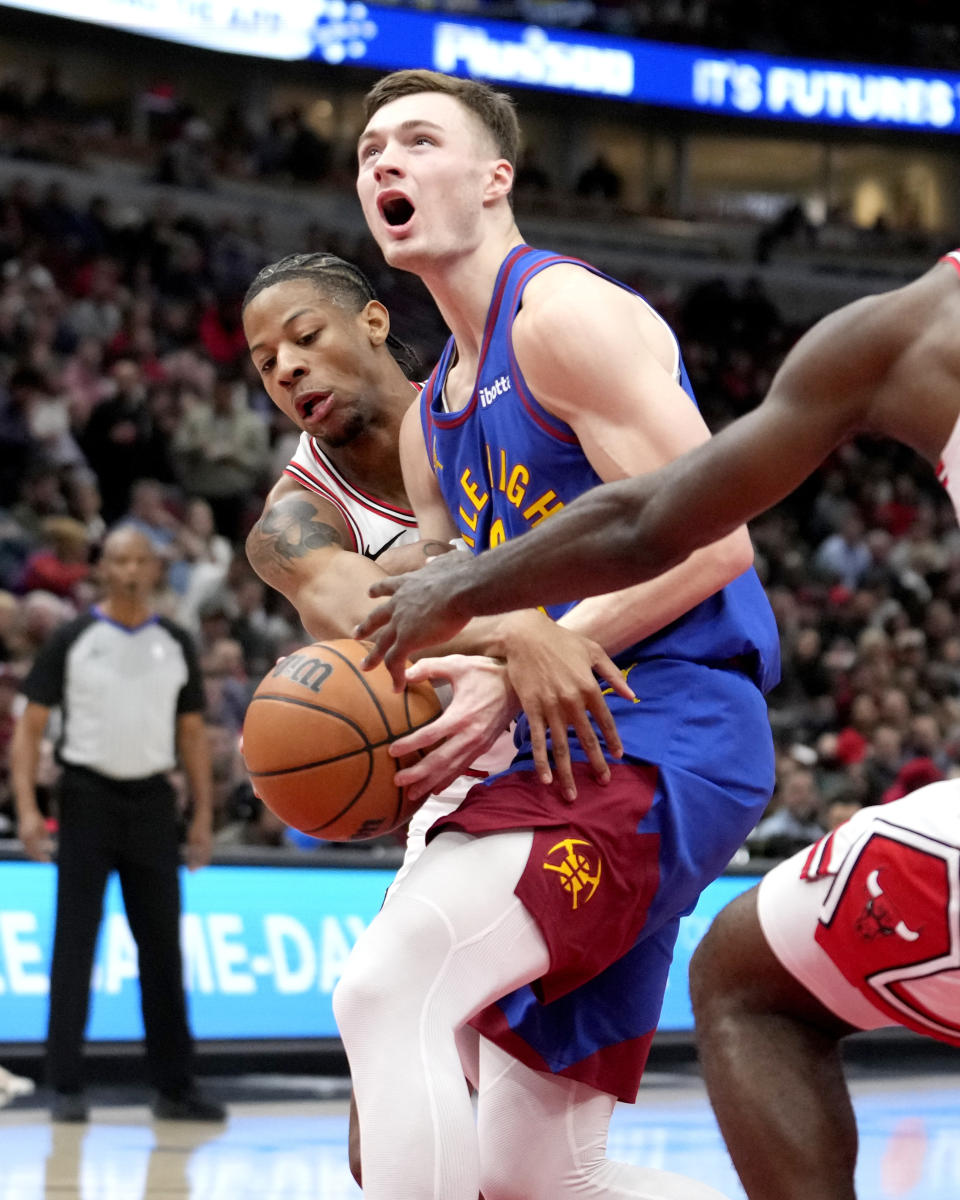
578, 866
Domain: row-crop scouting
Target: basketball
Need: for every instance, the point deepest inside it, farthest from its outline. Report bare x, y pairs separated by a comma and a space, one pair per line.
316, 741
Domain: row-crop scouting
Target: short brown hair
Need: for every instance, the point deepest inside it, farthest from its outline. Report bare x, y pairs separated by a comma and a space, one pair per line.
496, 110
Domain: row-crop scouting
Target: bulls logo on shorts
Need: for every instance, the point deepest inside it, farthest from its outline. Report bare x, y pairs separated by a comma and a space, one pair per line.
578, 869
890, 924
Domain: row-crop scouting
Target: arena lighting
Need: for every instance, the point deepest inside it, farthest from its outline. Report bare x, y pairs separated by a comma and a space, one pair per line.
686, 77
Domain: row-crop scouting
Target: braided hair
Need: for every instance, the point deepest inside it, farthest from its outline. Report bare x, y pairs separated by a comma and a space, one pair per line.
340, 282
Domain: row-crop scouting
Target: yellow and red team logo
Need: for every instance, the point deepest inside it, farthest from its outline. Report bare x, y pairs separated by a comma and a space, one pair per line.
578, 865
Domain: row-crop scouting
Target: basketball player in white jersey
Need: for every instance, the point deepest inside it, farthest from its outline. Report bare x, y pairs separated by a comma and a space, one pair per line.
339, 518
863, 929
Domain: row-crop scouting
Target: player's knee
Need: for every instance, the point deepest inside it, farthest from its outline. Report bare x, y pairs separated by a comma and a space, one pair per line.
516, 1178
720, 976
392, 968
360, 997
527, 1159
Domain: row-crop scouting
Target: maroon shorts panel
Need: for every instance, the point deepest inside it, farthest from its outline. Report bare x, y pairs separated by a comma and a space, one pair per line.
590, 877
615, 1069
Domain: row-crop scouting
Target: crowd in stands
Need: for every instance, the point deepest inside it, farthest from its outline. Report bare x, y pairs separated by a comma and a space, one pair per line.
126, 394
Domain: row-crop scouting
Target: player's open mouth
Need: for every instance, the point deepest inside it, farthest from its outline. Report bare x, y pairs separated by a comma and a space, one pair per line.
396, 210
313, 405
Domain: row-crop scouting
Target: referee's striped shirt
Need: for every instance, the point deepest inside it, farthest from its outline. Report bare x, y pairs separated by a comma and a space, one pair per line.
120, 691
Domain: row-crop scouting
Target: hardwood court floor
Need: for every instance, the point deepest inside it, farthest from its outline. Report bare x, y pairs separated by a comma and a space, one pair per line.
293, 1149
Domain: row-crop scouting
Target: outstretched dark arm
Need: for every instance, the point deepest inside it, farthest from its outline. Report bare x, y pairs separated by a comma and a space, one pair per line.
631, 530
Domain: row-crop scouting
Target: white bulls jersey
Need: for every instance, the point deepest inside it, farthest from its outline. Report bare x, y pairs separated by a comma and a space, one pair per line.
374, 525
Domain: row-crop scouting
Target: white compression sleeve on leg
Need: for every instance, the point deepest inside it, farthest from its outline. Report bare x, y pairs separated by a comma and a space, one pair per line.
544, 1137
450, 940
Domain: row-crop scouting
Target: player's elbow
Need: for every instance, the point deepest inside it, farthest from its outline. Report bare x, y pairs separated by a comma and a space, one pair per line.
258, 559
728, 558
737, 549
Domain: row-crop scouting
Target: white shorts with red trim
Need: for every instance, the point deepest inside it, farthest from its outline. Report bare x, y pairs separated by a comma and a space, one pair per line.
442, 805
868, 918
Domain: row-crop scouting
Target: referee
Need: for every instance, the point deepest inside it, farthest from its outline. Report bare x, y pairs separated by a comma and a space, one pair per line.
131, 696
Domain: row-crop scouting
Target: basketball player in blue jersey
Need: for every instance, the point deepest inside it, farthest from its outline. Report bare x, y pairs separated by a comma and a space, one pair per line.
556, 378
830, 941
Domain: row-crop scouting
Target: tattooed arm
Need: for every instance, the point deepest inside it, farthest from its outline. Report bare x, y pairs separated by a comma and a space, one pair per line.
301, 546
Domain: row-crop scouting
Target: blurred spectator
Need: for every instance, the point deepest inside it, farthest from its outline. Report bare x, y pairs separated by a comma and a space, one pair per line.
84, 503
62, 561
925, 740
202, 558
222, 333
796, 819
531, 180
223, 453
308, 154
915, 773
84, 381
18, 445
840, 809
599, 181
99, 310
187, 161
234, 804
50, 425
40, 497
118, 439
227, 685
41, 613
895, 709
9, 687
844, 557
792, 227
898, 513
263, 635
149, 512
884, 759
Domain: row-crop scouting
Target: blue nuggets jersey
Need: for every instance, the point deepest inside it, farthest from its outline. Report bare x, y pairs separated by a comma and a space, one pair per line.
698, 767
504, 464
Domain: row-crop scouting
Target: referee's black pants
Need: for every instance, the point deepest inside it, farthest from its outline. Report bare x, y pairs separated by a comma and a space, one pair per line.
129, 827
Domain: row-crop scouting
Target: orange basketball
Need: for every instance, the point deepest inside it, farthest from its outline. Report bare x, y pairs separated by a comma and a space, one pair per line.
316, 738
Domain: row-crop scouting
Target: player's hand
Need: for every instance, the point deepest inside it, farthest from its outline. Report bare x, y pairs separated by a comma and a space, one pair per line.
421, 612
553, 672
483, 704
199, 847
33, 833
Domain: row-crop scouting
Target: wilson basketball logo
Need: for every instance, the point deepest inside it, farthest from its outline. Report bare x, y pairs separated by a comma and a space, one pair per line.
578, 868
311, 672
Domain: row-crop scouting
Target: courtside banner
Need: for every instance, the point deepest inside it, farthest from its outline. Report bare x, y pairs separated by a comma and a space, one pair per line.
263, 949
687, 77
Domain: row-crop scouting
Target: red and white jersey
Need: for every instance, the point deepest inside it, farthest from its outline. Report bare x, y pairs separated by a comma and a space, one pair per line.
874, 907
374, 525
